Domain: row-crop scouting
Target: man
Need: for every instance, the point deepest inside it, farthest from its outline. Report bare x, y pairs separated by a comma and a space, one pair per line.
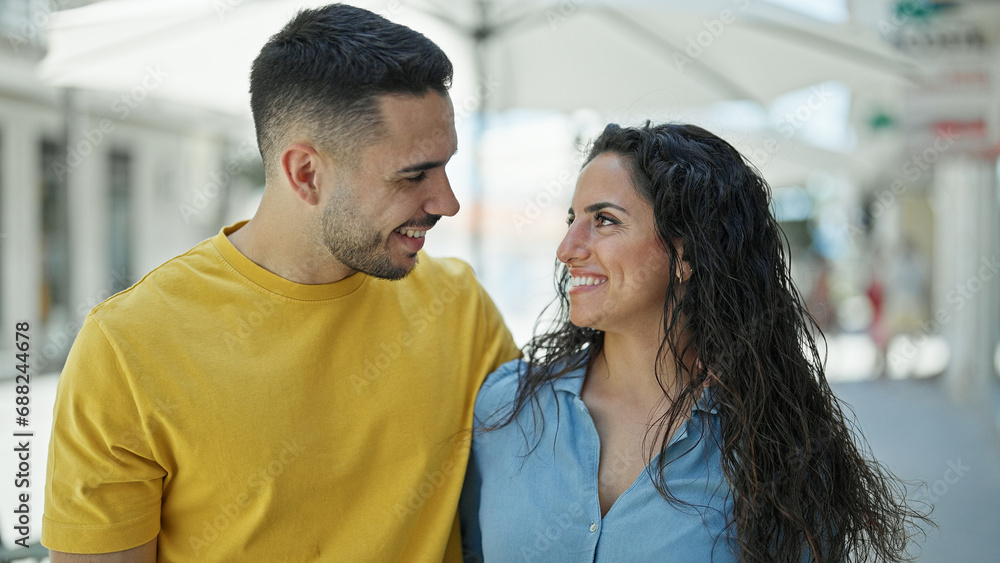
273, 394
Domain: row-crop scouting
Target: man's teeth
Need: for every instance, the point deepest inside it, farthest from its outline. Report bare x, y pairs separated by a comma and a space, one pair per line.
585, 280
411, 233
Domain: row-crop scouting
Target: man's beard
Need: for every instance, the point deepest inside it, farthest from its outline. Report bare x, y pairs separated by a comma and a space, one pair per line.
356, 244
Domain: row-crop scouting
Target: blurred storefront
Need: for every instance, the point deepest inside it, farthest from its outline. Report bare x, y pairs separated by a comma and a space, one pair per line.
96, 188
932, 220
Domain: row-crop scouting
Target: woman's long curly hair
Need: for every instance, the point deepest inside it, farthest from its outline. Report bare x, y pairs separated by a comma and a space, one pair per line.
801, 481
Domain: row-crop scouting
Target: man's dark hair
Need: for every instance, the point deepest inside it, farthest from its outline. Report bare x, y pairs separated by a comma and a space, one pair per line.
322, 75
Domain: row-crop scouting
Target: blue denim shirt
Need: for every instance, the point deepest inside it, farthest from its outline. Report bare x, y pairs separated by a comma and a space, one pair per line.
544, 506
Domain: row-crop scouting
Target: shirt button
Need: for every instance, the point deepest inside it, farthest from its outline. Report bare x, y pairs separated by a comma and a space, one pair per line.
593, 526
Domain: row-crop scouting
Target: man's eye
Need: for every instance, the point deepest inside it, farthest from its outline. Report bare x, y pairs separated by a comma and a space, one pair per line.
418, 178
569, 220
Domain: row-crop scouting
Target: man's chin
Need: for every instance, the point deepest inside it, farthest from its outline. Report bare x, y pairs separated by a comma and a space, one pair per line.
399, 268
408, 263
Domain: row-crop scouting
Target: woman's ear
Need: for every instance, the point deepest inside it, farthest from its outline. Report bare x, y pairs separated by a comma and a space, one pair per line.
684, 271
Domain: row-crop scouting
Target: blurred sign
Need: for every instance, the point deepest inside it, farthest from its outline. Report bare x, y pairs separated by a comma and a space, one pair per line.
959, 99
957, 94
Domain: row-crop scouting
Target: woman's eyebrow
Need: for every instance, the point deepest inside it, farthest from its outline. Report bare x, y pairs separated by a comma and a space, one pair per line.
601, 205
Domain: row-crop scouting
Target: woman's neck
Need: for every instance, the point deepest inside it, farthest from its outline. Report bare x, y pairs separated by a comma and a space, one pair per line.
625, 371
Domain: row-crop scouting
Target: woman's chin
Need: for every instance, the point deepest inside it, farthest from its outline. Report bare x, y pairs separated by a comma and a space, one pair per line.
582, 320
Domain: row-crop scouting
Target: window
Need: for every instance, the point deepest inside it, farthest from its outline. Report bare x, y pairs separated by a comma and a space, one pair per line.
120, 229
55, 306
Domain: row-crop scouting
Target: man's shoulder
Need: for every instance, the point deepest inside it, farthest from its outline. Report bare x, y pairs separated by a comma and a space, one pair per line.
429, 266
437, 272
177, 277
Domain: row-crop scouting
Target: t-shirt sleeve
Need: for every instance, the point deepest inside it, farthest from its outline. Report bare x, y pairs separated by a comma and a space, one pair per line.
499, 344
103, 487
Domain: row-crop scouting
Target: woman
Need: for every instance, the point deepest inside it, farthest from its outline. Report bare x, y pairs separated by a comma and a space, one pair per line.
677, 409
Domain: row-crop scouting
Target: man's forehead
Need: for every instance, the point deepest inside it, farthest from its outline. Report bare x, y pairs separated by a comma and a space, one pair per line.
416, 129
427, 110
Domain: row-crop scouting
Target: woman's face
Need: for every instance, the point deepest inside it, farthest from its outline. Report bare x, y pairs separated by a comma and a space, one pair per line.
619, 271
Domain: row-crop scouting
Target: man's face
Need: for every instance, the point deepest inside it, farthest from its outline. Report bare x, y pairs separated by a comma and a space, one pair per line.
376, 215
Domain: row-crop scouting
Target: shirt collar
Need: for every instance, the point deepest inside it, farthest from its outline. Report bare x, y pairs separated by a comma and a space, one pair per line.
572, 383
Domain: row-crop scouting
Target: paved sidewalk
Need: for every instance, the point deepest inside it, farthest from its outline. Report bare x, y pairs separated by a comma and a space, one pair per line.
920, 435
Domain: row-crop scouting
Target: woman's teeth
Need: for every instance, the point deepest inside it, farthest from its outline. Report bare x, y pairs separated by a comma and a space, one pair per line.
585, 280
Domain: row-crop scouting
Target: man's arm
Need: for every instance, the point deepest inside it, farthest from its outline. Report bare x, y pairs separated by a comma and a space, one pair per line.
103, 486
145, 553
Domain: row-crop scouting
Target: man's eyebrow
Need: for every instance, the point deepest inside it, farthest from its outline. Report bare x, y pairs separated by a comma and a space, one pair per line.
421, 167
424, 165
599, 206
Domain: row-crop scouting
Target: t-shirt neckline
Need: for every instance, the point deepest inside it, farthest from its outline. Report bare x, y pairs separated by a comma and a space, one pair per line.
275, 283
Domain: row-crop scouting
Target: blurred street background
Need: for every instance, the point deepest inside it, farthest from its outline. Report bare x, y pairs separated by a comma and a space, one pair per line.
126, 139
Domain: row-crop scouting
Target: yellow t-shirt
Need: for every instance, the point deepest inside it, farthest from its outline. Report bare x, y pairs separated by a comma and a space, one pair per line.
235, 415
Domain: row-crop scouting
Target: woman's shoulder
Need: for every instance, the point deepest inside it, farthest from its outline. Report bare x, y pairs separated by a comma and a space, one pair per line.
506, 373
498, 391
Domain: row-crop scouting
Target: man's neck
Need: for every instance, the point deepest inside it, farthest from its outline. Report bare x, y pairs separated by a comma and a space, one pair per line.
289, 253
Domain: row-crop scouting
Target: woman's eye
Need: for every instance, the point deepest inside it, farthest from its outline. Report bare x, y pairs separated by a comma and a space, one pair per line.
603, 220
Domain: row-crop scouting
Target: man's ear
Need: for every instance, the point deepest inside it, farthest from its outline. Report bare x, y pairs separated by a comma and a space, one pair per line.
301, 165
